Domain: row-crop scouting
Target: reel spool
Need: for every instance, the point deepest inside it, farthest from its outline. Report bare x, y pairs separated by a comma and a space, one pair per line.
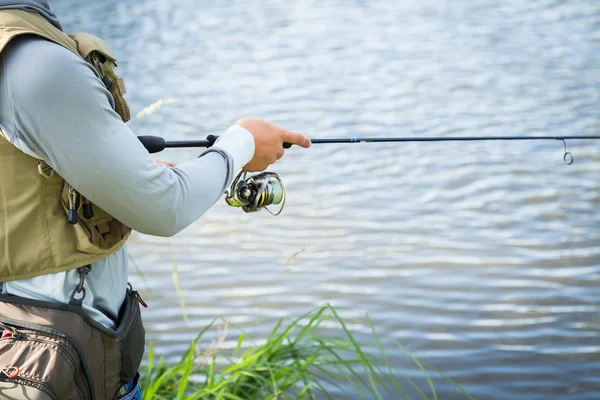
256, 192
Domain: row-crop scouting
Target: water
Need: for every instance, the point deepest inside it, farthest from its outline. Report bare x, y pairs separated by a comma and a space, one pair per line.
482, 258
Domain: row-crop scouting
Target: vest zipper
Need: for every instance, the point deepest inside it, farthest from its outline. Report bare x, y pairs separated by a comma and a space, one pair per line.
13, 331
88, 211
72, 216
87, 383
44, 387
137, 295
139, 298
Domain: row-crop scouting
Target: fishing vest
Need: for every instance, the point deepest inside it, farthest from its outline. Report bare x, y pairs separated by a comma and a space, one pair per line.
46, 226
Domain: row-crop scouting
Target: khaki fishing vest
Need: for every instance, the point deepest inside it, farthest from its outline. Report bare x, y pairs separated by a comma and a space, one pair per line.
36, 237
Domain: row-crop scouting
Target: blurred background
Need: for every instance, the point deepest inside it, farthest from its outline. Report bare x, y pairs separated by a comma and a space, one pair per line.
482, 258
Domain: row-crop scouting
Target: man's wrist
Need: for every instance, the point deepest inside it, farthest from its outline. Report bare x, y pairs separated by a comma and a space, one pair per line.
238, 142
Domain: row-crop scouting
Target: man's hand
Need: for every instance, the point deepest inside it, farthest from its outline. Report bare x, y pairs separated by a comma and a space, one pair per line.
268, 142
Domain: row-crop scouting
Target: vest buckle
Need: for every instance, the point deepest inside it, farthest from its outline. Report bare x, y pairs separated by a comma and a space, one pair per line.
45, 170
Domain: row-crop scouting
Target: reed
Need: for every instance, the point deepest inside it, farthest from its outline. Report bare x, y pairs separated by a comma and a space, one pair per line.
300, 359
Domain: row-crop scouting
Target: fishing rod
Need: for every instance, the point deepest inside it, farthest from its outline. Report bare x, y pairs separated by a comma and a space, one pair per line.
266, 188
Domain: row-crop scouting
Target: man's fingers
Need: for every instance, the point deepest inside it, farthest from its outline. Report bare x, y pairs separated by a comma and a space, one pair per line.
296, 138
280, 153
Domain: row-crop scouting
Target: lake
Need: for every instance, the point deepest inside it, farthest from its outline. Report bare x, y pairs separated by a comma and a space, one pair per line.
482, 258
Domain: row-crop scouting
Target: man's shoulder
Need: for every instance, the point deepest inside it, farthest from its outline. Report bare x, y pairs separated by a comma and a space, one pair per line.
34, 49
36, 69
32, 62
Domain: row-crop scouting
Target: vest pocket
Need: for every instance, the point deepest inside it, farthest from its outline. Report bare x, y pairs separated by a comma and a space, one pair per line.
97, 234
41, 361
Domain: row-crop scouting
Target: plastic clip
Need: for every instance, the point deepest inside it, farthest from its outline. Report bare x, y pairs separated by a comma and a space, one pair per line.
45, 170
11, 372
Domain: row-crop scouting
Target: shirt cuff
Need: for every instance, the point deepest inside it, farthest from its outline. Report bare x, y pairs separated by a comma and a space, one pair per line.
239, 144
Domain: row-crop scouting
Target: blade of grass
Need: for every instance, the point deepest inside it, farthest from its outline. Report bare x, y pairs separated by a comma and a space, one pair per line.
456, 385
186, 371
179, 292
416, 361
368, 368
385, 360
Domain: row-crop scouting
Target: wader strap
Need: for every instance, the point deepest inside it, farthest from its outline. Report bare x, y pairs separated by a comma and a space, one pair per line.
83, 271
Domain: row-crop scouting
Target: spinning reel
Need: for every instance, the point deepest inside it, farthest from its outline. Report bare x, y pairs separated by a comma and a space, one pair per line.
256, 192
250, 193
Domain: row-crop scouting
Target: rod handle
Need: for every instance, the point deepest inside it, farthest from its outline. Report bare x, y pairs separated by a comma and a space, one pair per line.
153, 144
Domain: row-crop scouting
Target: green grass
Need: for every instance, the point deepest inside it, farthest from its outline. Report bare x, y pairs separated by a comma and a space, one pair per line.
300, 359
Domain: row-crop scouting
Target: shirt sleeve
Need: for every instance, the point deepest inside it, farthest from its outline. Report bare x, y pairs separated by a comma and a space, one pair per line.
62, 112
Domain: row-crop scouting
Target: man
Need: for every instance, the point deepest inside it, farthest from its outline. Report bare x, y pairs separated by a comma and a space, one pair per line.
55, 110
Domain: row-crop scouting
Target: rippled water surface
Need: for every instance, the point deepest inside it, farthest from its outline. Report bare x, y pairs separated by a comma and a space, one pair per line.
482, 258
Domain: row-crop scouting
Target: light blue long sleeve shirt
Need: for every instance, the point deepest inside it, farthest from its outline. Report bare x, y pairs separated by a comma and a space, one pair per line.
53, 106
